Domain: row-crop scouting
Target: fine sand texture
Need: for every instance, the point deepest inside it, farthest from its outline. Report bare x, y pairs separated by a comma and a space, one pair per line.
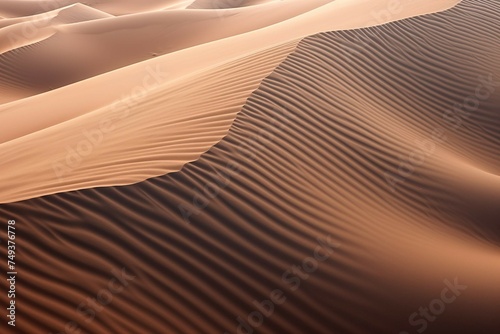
351, 176
152, 117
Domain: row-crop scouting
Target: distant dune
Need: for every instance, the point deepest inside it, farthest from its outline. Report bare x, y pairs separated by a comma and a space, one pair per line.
251, 149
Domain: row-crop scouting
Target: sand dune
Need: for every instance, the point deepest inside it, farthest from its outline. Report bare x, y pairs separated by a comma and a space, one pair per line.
384, 138
79, 51
24, 31
146, 136
57, 124
224, 4
91, 48
16, 8
79, 13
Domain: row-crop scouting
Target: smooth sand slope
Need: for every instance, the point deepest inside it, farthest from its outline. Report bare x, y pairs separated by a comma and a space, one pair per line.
66, 53
140, 147
69, 14
16, 8
78, 51
316, 151
225, 4
23, 31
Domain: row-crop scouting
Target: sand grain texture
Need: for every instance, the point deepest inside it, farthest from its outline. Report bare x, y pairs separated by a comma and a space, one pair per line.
54, 121
302, 140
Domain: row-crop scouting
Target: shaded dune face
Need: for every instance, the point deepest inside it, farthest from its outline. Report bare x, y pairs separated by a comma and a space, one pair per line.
358, 136
152, 135
158, 135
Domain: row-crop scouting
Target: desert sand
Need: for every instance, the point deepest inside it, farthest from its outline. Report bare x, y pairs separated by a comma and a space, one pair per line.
207, 147
54, 121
